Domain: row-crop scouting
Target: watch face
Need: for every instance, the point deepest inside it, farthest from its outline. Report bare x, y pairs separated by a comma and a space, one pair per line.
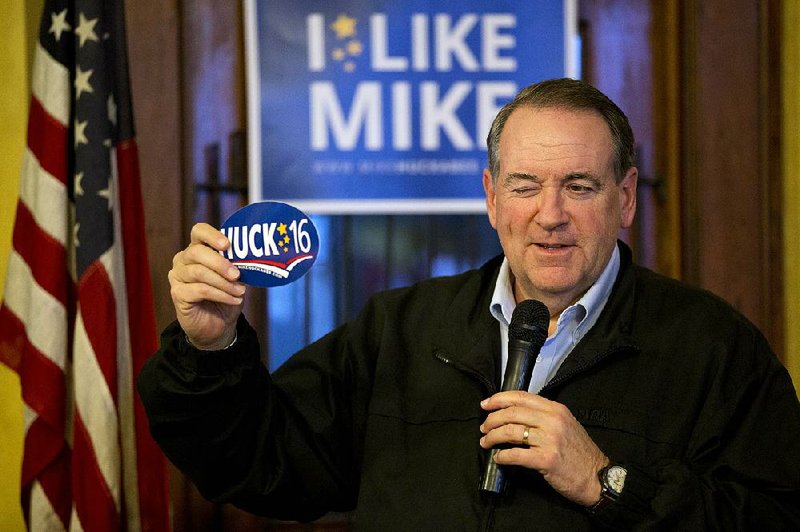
615, 477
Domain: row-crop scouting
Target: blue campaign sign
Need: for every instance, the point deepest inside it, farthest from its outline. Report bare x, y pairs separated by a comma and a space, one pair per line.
384, 106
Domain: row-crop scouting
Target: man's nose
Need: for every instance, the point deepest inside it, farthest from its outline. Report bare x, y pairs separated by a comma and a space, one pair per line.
550, 213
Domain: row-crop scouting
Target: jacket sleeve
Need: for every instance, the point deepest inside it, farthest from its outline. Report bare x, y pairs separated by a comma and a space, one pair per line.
226, 423
741, 466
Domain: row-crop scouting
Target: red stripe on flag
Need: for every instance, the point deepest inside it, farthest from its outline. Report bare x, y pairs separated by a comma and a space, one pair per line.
42, 445
55, 481
99, 311
12, 339
43, 390
46, 456
47, 139
93, 500
44, 255
151, 466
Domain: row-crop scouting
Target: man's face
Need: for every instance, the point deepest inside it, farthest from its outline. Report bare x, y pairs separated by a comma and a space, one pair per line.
556, 206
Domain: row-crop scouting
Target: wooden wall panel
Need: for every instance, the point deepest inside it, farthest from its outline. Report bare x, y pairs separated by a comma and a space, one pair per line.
213, 98
618, 59
699, 80
153, 50
731, 156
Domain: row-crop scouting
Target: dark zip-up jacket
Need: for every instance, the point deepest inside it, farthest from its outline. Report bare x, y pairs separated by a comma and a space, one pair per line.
382, 415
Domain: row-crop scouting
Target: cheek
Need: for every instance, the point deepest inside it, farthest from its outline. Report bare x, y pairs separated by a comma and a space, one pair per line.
512, 228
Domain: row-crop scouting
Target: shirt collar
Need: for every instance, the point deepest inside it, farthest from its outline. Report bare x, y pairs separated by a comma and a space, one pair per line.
589, 305
503, 303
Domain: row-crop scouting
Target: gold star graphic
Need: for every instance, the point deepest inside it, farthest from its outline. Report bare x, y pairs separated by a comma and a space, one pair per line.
286, 239
282, 228
337, 54
355, 48
349, 66
344, 26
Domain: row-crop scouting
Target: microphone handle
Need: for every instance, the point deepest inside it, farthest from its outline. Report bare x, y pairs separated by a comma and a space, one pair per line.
519, 369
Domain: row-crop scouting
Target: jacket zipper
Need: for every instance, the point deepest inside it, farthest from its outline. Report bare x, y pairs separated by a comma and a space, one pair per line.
488, 517
488, 520
481, 378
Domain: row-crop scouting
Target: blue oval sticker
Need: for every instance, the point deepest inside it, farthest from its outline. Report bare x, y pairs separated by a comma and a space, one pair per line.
272, 243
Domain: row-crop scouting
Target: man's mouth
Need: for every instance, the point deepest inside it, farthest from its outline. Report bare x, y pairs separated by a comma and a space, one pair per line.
551, 246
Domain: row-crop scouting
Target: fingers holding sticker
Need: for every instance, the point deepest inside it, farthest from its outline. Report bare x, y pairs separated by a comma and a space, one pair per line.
272, 243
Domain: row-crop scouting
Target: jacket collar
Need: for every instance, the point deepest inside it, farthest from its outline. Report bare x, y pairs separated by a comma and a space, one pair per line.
611, 334
470, 337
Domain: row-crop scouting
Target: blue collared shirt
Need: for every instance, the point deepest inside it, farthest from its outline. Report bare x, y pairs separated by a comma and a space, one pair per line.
573, 323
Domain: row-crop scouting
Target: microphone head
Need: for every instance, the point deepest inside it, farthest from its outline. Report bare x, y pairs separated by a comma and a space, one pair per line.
529, 322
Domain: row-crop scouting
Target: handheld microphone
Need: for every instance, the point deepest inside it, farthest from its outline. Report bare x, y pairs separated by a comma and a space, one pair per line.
526, 335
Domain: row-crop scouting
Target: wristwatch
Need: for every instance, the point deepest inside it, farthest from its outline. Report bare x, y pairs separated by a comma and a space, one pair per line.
612, 480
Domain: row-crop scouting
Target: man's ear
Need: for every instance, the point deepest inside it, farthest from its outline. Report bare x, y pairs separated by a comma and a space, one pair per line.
627, 197
488, 188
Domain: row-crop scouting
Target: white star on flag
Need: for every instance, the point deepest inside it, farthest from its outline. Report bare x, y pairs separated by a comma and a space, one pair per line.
59, 24
85, 30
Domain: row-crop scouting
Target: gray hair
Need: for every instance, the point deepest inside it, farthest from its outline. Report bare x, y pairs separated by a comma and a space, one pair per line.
574, 95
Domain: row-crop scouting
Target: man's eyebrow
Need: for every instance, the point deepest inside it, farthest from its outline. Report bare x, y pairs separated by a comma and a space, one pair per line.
512, 177
583, 176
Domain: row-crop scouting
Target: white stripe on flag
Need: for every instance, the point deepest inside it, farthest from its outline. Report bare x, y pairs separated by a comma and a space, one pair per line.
46, 198
95, 404
43, 517
50, 84
43, 315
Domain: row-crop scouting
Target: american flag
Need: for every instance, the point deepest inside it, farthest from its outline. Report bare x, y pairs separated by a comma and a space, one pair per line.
77, 319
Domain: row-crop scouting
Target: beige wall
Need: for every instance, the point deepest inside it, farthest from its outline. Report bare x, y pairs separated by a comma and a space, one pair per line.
18, 21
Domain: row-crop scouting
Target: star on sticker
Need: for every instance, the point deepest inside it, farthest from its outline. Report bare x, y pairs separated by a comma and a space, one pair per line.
344, 26
59, 24
282, 228
79, 184
337, 54
82, 82
286, 239
80, 132
85, 30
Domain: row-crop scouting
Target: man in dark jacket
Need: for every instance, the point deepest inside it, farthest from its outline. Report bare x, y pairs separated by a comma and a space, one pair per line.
652, 405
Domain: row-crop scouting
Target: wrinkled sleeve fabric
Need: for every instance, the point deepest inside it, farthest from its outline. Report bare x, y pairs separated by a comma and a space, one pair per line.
285, 447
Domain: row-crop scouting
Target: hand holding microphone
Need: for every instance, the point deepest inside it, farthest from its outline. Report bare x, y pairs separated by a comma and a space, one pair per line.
526, 335
557, 445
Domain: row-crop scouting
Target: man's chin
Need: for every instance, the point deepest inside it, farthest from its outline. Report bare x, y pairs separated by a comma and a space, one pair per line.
550, 290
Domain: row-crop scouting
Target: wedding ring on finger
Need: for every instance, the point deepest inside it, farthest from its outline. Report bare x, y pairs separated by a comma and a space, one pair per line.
525, 434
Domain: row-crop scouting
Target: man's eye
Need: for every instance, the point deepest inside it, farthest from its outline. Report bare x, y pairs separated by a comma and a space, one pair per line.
578, 188
524, 191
